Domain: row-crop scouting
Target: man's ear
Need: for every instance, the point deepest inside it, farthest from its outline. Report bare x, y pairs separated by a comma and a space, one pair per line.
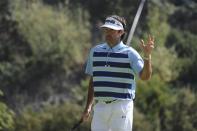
121, 32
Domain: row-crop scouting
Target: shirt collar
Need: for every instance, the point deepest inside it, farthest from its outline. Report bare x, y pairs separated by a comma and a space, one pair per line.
116, 47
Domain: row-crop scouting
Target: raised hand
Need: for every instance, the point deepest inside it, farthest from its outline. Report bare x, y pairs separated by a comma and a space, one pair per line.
147, 48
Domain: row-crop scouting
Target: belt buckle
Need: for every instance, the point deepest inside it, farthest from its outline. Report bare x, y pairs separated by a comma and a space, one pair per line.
108, 102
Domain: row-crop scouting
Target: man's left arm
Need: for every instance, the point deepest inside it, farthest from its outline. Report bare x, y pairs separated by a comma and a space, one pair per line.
146, 72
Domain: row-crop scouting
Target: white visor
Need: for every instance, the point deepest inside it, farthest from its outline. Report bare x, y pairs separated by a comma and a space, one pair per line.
112, 23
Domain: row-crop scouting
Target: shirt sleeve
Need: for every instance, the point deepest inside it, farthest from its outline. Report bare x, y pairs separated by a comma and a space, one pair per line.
88, 68
136, 62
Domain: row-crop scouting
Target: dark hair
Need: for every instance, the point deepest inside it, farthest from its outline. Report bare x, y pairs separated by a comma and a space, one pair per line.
122, 20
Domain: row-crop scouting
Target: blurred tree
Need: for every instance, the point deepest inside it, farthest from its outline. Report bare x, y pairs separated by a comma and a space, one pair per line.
183, 112
55, 39
166, 64
40, 50
157, 24
184, 18
153, 99
6, 117
50, 118
12, 51
140, 122
182, 2
185, 46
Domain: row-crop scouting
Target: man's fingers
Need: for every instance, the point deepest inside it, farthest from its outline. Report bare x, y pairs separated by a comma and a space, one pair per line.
149, 44
152, 46
151, 39
142, 42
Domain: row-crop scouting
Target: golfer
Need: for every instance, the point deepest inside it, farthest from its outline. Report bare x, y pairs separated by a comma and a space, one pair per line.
113, 67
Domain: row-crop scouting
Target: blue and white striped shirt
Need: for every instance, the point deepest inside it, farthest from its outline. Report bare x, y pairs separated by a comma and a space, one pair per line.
113, 71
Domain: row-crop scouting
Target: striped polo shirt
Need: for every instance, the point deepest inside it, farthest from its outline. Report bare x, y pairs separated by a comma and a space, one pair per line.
113, 71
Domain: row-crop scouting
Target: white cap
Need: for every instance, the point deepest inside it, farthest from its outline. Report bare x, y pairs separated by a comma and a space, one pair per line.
112, 23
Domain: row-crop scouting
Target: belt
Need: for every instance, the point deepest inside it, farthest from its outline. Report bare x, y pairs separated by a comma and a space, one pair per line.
106, 102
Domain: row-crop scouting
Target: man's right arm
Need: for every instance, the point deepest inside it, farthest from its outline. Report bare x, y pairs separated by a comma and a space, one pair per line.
89, 102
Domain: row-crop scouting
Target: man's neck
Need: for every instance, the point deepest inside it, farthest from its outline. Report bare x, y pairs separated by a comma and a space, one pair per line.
113, 44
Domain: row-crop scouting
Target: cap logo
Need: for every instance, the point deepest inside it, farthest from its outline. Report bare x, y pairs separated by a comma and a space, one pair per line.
112, 23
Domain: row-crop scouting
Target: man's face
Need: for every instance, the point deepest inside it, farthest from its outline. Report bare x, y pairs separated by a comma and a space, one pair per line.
112, 36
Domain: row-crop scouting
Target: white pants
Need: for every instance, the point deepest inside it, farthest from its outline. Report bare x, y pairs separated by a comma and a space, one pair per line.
116, 116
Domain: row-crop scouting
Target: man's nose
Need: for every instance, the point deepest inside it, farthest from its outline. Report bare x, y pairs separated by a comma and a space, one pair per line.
108, 31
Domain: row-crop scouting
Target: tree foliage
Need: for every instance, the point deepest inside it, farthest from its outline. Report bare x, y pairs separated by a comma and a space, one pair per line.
43, 43
6, 116
61, 118
185, 46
